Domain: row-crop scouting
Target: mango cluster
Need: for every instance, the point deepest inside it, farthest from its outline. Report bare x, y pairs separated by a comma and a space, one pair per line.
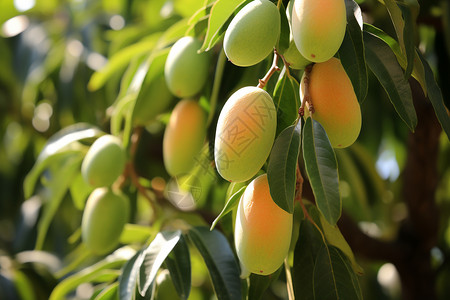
106, 210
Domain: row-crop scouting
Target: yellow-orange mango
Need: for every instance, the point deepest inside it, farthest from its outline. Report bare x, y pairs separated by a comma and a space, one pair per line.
335, 104
318, 27
263, 230
252, 33
103, 220
245, 133
184, 137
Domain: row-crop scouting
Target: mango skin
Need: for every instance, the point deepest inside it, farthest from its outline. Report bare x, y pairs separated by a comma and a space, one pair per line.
245, 134
186, 71
155, 100
253, 33
335, 104
295, 58
103, 220
184, 137
263, 230
318, 27
104, 161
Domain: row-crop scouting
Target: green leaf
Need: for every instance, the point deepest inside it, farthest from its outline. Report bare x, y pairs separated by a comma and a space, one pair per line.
121, 59
281, 170
80, 190
109, 293
321, 271
232, 202
220, 261
58, 182
260, 283
154, 256
221, 11
352, 52
382, 62
404, 29
284, 40
91, 273
62, 143
133, 233
287, 100
129, 277
179, 265
408, 34
321, 167
418, 71
435, 96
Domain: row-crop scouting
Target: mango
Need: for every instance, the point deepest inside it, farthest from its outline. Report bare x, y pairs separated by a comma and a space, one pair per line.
318, 27
335, 104
184, 137
186, 71
295, 58
103, 220
263, 230
253, 33
153, 100
245, 133
104, 161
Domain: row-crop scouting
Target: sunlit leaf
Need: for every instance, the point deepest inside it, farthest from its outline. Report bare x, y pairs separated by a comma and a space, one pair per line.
220, 260
281, 171
109, 293
321, 167
232, 202
154, 256
382, 62
130, 273
221, 11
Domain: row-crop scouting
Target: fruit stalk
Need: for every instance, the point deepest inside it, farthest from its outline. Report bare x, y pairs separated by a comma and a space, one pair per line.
307, 96
274, 68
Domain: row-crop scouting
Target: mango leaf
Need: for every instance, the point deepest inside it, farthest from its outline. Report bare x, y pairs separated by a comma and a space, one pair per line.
321, 167
109, 293
133, 233
91, 273
260, 283
418, 71
435, 96
220, 261
60, 176
221, 11
232, 202
154, 256
383, 64
281, 171
61, 143
284, 39
120, 60
321, 271
129, 277
352, 52
287, 100
179, 265
405, 32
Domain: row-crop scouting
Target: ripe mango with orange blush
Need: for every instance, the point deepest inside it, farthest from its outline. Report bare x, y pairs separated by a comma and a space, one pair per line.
263, 230
335, 104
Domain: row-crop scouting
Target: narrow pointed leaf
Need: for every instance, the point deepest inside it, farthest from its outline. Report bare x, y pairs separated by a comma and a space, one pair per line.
321, 167
283, 41
287, 101
281, 171
179, 265
220, 261
154, 256
221, 11
435, 96
232, 202
382, 62
408, 35
260, 283
352, 52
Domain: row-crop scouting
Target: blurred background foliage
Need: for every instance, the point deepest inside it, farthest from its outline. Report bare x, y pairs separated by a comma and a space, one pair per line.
49, 52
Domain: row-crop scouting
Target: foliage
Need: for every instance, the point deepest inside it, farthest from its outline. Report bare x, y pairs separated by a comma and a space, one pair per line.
73, 71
